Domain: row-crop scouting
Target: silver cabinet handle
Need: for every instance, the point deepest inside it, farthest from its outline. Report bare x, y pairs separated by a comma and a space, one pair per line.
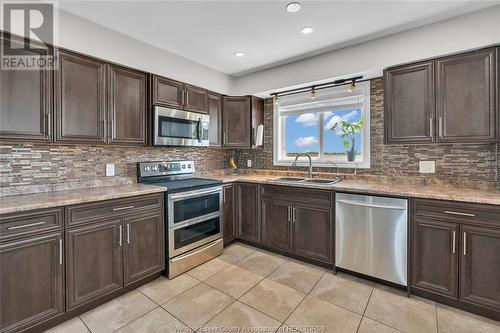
122, 208
453, 241
294, 214
465, 244
120, 235
440, 127
458, 213
25, 225
128, 233
289, 211
60, 252
431, 127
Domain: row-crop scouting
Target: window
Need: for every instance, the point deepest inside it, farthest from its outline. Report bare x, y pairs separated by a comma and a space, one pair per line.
303, 125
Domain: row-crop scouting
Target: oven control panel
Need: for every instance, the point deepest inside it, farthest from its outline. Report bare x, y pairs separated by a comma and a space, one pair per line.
164, 168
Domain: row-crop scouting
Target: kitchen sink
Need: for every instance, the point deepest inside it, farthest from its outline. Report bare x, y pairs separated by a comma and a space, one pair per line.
317, 181
289, 179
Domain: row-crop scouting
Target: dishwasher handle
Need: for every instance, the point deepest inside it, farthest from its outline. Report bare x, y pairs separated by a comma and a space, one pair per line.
370, 205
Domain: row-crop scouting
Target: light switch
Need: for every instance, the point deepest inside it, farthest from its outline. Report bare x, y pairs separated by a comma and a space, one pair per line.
427, 167
249, 163
110, 170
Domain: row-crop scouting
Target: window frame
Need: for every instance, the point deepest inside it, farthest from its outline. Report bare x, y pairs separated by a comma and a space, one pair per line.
279, 135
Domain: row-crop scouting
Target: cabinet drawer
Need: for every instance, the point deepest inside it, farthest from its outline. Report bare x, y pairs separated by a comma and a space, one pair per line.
89, 212
318, 197
458, 211
17, 225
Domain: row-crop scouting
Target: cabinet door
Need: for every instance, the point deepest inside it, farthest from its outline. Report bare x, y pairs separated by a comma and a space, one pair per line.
25, 98
144, 246
127, 106
168, 93
80, 96
313, 231
434, 249
229, 220
237, 122
31, 281
93, 262
480, 266
276, 219
215, 113
196, 99
247, 212
466, 92
409, 103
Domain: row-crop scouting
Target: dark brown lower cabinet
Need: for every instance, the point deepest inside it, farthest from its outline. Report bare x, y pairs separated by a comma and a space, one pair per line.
480, 266
230, 228
276, 220
94, 261
434, 249
31, 281
247, 211
313, 234
143, 251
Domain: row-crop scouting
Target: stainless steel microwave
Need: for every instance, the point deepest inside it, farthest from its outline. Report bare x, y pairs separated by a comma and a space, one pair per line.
180, 128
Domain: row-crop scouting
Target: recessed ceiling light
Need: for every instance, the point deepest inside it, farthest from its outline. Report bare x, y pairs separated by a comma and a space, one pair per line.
307, 30
239, 54
293, 7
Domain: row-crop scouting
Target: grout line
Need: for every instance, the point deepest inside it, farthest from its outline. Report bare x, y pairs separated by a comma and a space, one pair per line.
79, 317
366, 307
436, 313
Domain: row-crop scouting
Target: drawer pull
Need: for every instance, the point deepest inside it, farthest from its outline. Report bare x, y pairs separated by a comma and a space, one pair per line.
122, 208
25, 225
458, 213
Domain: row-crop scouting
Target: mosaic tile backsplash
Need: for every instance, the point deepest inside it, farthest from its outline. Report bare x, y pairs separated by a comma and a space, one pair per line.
465, 165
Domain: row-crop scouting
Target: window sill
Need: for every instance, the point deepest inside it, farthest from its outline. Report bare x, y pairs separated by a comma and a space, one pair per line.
323, 164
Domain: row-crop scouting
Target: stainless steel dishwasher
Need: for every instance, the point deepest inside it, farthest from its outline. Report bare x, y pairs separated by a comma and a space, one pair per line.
371, 236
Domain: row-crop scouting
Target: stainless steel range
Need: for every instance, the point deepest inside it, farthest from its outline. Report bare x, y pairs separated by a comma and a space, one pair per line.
194, 213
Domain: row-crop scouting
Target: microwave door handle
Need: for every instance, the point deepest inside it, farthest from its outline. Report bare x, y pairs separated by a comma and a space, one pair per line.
199, 129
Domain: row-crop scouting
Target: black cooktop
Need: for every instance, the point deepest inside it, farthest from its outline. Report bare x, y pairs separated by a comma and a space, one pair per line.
187, 184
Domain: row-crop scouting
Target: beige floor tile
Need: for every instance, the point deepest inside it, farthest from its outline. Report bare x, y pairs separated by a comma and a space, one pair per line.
455, 321
234, 281
74, 325
198, 305
316, 315
260, 262
344, 290
118, 312
163, 289
235, 252
273, 298
240, 317
155, 321
206, 270
297, 275
371, 326
406, 314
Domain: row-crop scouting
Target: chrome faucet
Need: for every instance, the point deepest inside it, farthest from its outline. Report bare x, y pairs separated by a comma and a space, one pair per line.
311, 173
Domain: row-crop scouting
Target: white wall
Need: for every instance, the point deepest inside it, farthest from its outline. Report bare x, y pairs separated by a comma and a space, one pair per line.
79, 34
453, 35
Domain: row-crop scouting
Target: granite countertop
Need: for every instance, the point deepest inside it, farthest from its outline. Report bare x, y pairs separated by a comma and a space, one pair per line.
25, 202
371, 187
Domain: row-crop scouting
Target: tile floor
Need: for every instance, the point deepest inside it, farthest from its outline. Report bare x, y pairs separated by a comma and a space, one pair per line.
251, 290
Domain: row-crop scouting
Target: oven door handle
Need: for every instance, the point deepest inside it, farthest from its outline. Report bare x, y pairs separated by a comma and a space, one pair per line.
190, 254
191, 194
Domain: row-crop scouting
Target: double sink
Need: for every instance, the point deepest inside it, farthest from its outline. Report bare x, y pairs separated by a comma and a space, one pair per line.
317, 181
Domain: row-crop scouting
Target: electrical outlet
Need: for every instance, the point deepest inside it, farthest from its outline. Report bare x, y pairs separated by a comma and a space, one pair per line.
110, 170
427, 167
249, 163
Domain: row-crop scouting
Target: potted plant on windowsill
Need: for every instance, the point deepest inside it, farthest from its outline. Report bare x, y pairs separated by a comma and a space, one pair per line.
347, 131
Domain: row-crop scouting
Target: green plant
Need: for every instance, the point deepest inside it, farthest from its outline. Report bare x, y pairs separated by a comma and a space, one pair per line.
347, 131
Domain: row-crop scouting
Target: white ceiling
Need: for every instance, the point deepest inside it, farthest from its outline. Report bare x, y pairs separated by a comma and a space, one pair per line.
208, 32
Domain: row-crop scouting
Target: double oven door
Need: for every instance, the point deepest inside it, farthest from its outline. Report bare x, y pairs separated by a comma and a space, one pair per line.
194, 219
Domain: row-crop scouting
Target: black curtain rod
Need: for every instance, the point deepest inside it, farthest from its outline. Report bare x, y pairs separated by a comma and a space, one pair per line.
315, 87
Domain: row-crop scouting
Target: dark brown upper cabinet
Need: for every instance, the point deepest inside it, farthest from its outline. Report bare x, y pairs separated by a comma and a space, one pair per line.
166, 92
409, 103
434, 251
25, 99
80, 99
196, 99
451, 100
241, 116
127, 107
466, 97
215, 113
